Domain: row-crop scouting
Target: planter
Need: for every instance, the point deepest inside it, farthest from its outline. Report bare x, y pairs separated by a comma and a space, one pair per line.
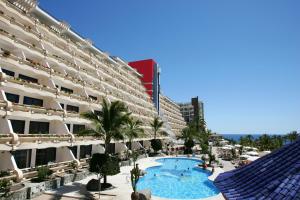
79, 175
67, 178
52, 184
76, 176
36, 189
17, 192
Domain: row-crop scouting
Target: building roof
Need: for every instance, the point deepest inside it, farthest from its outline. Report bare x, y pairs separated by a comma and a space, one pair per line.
274, 176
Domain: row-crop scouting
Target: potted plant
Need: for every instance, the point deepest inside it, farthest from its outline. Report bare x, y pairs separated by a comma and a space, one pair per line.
43, 173
203, 165
103, 165
135, 176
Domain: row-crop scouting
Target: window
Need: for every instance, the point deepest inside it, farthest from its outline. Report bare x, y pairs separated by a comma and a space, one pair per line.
27, 78
22, 158
39, 127
69, 126
12, 97
8, 73
97, 112
111, 148
62, 105
77, 128
66, 90
18, 126
72, 108
93, 97
74, 150
33, 101
44, 156
85, 151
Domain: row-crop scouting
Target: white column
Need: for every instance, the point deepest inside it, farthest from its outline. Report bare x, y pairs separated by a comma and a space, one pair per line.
33, 158
26, 129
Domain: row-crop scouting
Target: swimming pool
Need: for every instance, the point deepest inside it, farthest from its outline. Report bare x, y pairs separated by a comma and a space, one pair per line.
178, 178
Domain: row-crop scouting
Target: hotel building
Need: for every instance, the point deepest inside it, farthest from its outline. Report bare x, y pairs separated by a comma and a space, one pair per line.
48, 76
168, 110
170, 113
191, 110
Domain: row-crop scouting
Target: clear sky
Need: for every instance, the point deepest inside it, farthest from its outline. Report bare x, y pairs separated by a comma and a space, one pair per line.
241, 57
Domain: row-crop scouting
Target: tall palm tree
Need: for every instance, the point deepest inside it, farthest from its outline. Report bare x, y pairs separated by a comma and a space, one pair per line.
133, 130
277, 142
264, 142
292, 136
188, 134
156, 126
108, 123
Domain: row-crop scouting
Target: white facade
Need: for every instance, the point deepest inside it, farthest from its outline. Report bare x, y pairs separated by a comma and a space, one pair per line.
170, 113
48, 76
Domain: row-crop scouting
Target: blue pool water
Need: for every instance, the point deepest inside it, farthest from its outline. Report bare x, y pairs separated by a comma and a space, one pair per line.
178, 178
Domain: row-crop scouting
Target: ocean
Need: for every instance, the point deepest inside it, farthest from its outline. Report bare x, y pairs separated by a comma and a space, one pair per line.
236, 137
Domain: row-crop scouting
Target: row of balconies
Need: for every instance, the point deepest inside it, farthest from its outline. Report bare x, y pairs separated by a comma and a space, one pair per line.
170, 102
86, 59
65, 41
170, 107
41, 110
78, 97
55, 72
41, 51
176, 116
173, 116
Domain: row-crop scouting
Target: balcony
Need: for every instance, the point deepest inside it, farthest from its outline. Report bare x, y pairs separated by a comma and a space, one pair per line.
28, 84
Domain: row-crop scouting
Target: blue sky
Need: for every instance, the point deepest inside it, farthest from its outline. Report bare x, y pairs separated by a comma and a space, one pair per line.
242, 58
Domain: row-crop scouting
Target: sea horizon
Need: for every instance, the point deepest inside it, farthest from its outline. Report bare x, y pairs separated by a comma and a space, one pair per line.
236, 136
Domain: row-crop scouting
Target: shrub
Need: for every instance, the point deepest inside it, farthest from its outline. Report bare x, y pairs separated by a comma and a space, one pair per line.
4, 173
4, 186
156, 144
104, 165
189, 144
43, 173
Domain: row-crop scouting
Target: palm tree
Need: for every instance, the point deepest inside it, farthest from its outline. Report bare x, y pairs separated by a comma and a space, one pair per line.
156, 126
292, 136
277, 142
133, 130
188, 134
264, 142
247, 140
108, 123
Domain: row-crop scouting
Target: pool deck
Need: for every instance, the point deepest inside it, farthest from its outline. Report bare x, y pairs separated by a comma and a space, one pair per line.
121, 182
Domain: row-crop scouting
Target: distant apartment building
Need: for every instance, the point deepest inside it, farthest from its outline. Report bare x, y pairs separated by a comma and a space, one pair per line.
192, 109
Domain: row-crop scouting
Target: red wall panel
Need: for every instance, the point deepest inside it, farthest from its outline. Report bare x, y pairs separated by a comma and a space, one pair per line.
146, 68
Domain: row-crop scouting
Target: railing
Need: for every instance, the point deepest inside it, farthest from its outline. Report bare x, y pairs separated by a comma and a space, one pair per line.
29, 84
138, 97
